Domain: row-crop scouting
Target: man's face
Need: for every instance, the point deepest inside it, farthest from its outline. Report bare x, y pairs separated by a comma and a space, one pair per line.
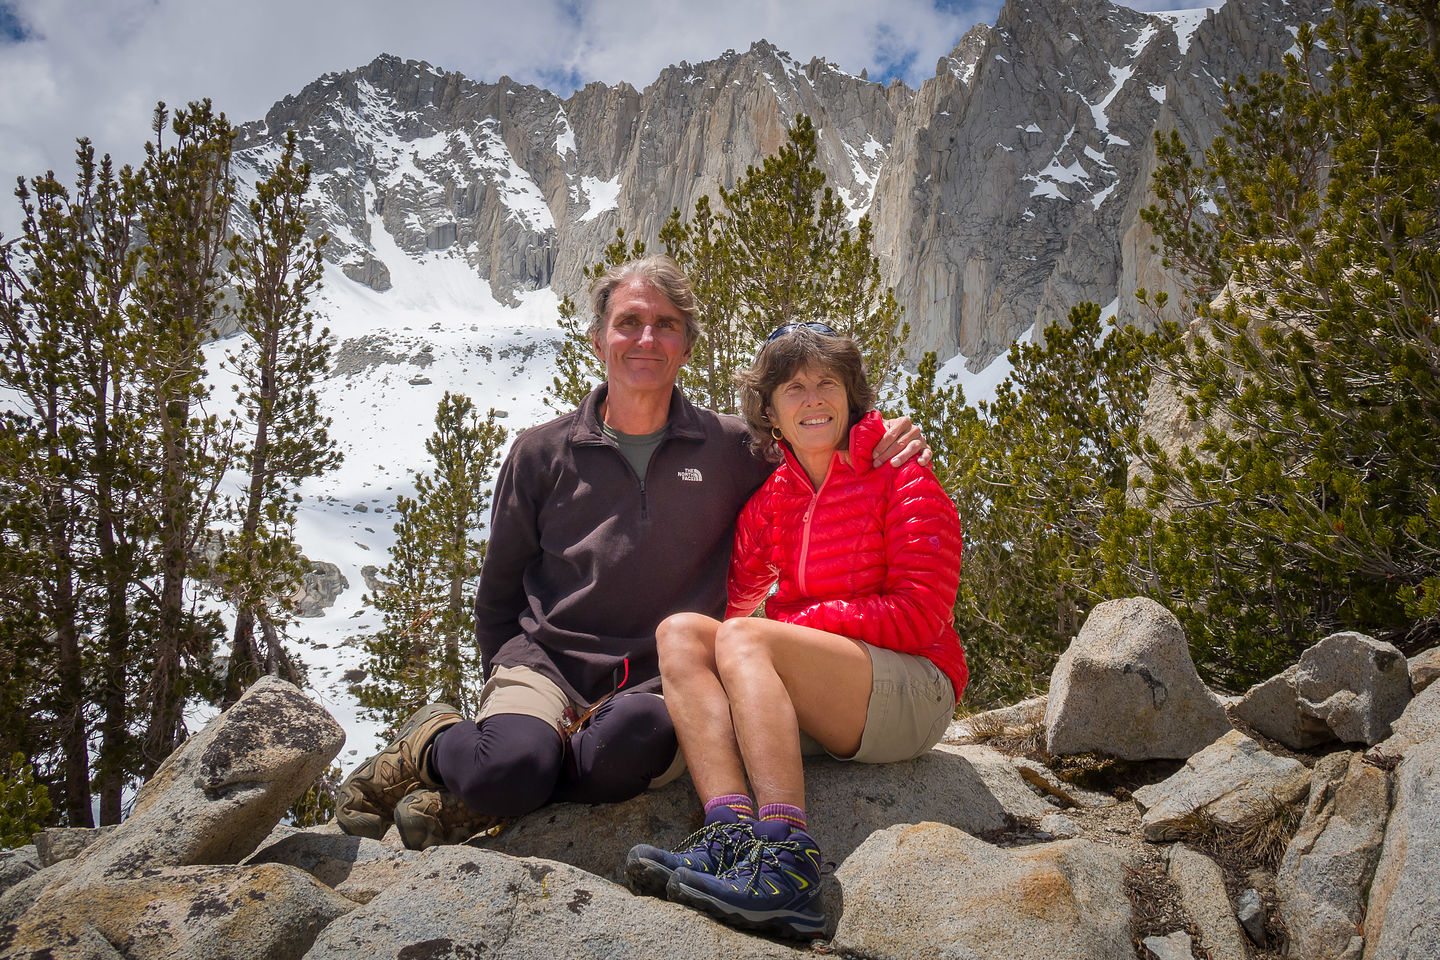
642, 342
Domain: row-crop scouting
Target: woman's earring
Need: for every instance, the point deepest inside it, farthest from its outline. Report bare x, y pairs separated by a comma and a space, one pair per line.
775, 432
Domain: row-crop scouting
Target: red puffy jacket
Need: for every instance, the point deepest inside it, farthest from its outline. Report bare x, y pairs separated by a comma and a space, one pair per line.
873, 555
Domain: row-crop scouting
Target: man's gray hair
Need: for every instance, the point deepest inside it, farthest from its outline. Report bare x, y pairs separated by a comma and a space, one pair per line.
660, 272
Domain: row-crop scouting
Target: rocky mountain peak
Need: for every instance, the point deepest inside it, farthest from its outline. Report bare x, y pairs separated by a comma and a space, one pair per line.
1003, 191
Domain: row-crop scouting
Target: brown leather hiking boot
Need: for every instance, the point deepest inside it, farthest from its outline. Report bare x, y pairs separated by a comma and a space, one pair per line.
429, 818
367, 798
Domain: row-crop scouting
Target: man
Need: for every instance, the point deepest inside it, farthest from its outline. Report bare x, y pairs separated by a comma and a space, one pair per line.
605, 521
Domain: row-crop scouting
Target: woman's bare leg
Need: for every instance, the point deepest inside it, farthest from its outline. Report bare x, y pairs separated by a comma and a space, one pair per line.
698, 704
780, 678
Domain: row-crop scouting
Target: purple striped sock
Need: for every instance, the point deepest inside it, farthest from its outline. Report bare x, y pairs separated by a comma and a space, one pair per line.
743, 806
793, 815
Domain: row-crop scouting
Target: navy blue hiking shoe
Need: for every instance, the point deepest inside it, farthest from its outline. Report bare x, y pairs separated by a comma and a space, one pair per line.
772, 887
709, 850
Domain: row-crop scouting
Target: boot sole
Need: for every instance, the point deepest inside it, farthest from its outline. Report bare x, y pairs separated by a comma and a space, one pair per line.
646, 877
791, 924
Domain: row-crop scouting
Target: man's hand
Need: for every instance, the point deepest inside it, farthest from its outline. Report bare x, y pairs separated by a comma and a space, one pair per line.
902, 441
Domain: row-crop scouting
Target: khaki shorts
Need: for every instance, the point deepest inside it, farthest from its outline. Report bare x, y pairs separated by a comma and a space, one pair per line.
530, 693
911, 705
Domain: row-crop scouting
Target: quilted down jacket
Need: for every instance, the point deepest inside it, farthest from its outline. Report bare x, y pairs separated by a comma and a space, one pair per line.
873, 555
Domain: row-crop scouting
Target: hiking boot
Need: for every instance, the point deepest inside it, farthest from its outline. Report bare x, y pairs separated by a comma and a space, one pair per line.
709, 850
366, 801
772, 887
429, 818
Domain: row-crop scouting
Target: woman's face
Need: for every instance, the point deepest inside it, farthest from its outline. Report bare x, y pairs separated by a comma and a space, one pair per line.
812, 411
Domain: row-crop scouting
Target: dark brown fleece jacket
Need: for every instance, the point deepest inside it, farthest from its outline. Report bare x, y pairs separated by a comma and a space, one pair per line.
585, 558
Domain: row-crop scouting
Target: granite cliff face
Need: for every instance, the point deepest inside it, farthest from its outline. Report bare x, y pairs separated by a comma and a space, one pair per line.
1004, 190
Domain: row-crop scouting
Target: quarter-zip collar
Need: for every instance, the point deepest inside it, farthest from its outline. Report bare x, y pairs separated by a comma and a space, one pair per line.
682, 421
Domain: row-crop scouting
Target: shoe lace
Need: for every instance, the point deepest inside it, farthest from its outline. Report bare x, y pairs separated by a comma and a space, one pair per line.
732, 837
756, 854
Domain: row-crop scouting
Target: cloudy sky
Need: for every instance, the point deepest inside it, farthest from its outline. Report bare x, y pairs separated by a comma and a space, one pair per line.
96, 68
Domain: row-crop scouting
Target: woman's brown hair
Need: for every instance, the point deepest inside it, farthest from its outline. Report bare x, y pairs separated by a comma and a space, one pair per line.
778, 362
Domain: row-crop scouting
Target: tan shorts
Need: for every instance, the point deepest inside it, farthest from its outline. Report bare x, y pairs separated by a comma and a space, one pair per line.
911, 705
530, 693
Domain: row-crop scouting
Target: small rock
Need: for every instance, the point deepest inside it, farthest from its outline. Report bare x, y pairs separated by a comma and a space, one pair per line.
1358, 685
1126, 687
1060, 826
1251, 913
1172, 946
1231, 780
1424, 669
219, 913
17, 864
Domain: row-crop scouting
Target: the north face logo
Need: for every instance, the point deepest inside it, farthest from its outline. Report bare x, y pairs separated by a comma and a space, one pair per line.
691, 474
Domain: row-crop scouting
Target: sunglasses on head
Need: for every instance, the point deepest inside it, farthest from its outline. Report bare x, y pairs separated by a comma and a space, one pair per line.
815, 325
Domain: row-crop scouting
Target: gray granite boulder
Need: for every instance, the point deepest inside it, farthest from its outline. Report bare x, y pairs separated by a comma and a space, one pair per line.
214, 913
355, 867
846, 802
1202, 891
957, 896
1126, 687
1403, 919
216, 797
460, 902
1230, 781
1420, 723
1347, 687
54, 844
1329, 862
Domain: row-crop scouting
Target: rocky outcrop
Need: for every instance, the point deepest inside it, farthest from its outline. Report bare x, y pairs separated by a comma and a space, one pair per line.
1424, 669
1329, 862
1126, 687
1003, 191
321, 584
211, 802
964, 852
1062, 899
1403, 919
1347, 687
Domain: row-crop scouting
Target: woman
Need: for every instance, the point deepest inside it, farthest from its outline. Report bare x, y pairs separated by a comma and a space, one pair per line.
857, 652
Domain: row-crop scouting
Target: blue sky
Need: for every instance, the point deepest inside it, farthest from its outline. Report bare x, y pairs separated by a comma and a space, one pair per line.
95, 68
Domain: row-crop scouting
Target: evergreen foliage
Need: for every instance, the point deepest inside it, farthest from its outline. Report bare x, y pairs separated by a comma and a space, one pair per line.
426, 650
781, 249
1035, 474
24, 803
275, 271
1313, 500
110, 465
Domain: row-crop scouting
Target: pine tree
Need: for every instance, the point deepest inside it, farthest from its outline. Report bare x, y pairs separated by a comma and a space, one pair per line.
274, 271
187, 195
1036, 476
1313, 502
782, 251
64, 453
426, 650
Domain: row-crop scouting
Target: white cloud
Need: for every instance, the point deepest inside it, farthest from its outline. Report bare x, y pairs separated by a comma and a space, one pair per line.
97, 69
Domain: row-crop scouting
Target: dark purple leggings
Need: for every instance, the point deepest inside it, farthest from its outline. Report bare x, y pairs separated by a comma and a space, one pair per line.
510, 764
